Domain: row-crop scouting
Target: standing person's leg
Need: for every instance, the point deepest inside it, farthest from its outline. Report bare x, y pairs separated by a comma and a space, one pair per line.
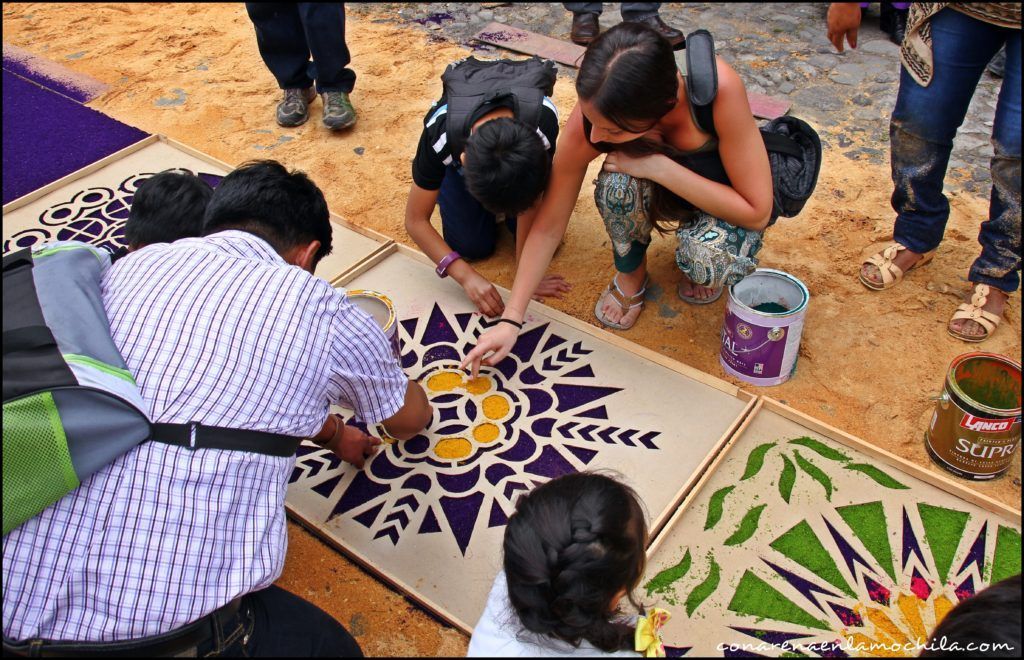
324, 27
647, 13
585, 22
999, 264
467, 227
282, 45
624, 203
924, 123
280, 624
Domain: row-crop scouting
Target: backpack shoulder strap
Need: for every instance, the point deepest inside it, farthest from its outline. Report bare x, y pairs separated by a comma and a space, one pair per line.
215, 437
701, 78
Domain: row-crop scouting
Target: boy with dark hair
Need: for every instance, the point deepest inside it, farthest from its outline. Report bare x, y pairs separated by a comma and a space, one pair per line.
167, 206
485, 151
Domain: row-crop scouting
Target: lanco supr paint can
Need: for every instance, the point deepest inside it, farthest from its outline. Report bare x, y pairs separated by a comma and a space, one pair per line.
763, 321
382, 310
975, 429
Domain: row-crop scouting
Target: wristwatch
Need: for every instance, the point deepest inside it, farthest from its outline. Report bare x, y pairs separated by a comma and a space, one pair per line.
448, 260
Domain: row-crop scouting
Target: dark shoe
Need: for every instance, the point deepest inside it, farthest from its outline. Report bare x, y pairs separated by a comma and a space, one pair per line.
585, 28
338, 111
294, 109
674, 36
998, 64
899, 28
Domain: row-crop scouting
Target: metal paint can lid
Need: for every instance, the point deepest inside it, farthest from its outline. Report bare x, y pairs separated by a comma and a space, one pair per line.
375, 304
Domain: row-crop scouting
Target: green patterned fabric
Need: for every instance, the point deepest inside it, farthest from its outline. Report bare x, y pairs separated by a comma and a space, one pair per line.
711, 252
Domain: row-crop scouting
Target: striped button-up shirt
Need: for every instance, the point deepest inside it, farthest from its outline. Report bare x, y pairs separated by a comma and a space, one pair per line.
221, 331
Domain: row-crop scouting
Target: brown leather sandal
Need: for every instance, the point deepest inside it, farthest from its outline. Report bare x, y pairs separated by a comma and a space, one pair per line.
890, 272
974, 312
625, 302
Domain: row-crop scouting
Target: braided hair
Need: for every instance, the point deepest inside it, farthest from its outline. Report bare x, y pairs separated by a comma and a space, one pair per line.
573, 544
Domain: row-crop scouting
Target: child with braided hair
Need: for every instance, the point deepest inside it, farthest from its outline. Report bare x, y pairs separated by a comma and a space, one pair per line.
573, 551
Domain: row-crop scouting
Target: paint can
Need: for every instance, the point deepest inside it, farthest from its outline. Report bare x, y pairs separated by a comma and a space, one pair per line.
764, 318
380, 307
975, 429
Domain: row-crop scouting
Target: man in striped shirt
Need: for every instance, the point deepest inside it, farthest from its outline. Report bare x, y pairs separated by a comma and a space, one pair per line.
169, 550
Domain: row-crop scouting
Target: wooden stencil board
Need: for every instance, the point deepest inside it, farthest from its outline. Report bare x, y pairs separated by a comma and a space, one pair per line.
428, 514
863, 551
92, 204
570, 54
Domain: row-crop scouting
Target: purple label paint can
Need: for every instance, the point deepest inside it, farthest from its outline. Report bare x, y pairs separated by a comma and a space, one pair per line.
763, 321
382, 310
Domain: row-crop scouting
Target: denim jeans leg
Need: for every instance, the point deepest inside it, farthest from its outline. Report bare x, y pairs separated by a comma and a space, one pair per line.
583, 7
282, 42
467, 227
1000, 260
324, 26
925, 121
639, 11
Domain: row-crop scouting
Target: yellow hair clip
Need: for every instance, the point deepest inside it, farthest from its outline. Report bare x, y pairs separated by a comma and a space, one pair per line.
648, 633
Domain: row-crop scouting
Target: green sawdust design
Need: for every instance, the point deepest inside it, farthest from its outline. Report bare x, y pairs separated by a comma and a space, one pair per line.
757, 598
880, 477
821, 448
662, 582
747, 526
869, 524
815, 472
787, 479
943, 528
1006, 560
801, 545
703, 590
716, 505
756, 460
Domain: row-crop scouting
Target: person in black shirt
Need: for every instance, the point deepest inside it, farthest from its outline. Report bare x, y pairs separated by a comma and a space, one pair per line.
501, 171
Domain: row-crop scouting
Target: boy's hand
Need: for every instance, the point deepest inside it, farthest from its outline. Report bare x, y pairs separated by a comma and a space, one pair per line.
354, 446
483, 294
552, 286
843, 21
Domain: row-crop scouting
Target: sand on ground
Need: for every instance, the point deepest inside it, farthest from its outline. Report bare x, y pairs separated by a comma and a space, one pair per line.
869, 363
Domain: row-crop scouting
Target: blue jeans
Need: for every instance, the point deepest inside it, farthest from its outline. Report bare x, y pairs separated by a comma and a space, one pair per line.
631, 11
924, 123
467, 227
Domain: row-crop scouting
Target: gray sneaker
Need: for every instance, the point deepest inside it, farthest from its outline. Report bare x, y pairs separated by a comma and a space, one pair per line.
338, 111
294, 109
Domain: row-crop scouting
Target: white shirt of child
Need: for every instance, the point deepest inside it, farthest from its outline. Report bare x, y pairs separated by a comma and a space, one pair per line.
498, 633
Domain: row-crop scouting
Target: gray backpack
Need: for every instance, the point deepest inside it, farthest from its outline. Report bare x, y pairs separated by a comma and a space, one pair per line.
70, 405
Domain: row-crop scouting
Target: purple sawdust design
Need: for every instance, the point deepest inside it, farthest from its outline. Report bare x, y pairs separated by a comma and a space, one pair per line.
522, 450
447, 414
507, 368
770, 636
436, 19
451, 429
574, 396
382, 468
919, 586
461, 513
497, 472
446, 398
805, 587
585, 455
459, 483
401, 518
429, 524
54, 134
676, 651
470, 408
497, 517
367, 518
847, 616
966, 589
976, 555
738, 652
530, 376
512, 487
850, 556
550, 464
212, 179
540, 401
553, 340
409, 325
409, 501
417, 445
583, 372
542, 427
438, 329
462, 320
439, 353
527, 343
408, 360
501, 36
595, 413
359, 492
877, 592
389, 532
326, 488
910, 542
51, 75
